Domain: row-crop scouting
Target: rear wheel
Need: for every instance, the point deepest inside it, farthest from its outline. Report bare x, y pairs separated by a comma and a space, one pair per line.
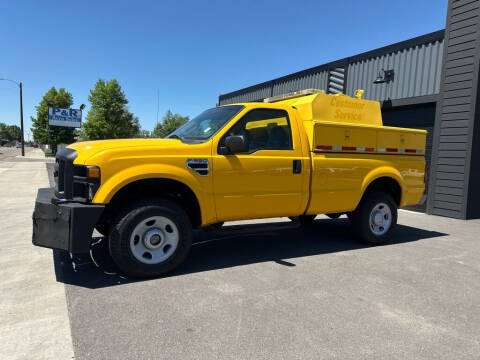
151, 238
374, 219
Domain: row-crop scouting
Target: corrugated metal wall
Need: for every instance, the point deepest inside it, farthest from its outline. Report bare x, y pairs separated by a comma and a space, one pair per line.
248, 95
416, 62
454, 175
315, 80
336, 81
417, 72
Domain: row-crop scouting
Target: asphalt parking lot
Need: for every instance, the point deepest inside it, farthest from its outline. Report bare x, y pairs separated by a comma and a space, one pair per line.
298, 293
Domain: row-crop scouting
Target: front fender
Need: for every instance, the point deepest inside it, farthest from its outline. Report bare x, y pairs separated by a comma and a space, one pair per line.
385, 171
148, 171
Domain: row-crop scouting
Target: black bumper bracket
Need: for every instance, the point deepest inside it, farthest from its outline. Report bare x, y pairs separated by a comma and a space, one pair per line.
65, 226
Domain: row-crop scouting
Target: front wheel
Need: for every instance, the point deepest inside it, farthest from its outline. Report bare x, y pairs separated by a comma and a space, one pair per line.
374, 219
151, 238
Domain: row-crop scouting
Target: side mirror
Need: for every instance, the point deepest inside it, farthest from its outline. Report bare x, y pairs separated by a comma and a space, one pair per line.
236, 143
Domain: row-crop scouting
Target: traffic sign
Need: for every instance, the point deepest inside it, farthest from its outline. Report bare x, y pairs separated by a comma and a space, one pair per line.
64, 117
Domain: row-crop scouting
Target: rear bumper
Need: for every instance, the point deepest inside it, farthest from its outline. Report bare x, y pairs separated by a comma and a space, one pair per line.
64, 226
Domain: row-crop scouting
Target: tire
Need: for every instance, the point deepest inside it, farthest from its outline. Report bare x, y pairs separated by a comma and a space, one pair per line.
303, 219
375, 218
151, 238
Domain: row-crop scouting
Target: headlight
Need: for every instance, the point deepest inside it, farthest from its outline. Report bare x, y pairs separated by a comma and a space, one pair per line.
86, 181
90, 192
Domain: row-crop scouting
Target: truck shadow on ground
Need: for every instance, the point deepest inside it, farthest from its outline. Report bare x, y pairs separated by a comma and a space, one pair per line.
213, 251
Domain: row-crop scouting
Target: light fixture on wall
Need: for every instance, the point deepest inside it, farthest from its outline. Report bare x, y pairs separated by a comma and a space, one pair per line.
384, 76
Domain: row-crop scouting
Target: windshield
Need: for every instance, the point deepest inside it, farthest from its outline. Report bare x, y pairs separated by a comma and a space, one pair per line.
203, 126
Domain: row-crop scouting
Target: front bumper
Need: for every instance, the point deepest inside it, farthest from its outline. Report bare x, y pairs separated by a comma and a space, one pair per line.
63, 225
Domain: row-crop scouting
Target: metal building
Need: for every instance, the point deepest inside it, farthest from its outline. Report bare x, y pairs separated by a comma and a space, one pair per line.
428, 82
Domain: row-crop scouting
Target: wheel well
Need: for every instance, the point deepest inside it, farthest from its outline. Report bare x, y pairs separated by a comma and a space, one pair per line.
148, 188
387, 185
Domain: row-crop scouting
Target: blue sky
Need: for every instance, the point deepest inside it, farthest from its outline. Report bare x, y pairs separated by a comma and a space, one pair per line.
188, 51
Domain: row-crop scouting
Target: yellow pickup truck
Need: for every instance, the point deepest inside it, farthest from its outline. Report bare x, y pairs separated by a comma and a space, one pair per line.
295, 155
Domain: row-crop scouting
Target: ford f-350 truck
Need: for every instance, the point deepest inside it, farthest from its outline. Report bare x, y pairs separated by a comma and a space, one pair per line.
295, 155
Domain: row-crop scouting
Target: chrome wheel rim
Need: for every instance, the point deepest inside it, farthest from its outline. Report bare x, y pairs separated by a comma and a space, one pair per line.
154, 240
380, 219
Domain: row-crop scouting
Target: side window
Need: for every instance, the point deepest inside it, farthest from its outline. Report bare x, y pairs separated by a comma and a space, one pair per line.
265, 129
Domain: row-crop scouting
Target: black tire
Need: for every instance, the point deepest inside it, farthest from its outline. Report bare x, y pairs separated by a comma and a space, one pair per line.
303, 219
121, 232
360, 218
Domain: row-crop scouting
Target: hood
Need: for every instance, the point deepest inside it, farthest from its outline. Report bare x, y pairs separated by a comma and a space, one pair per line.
87, 149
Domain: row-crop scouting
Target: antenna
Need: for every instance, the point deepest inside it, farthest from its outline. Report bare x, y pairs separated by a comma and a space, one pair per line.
158, 103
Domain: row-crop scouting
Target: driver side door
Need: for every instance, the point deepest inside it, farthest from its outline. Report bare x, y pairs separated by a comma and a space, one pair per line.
268, 180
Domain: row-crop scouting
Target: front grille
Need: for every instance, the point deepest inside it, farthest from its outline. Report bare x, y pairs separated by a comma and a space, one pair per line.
58, 174
63, 173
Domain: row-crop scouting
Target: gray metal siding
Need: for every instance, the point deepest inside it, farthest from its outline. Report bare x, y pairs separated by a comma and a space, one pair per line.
336, 81
248, 96
417, 64
316, 80
417, 73
455, 118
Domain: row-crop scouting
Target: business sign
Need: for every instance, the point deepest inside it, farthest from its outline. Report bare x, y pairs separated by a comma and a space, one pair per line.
64, 117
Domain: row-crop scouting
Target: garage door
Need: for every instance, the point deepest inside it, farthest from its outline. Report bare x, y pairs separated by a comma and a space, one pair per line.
415, 117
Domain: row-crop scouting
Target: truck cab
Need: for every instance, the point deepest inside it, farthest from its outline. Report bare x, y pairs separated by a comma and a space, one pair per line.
296, 155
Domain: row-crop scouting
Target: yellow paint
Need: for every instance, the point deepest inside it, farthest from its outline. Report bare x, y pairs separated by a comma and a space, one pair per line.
377, 137
266, 123
262, 184
359, 93
336, 108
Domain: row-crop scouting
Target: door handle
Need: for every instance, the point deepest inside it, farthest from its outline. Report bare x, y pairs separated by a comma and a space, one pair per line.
297, 166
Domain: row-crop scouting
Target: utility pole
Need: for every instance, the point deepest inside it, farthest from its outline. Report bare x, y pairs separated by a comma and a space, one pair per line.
21, 112
158, 102
21, 119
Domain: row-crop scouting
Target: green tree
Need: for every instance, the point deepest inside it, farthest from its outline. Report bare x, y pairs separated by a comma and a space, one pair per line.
170, 122
44, 133
13, 132
9, 132
108, 117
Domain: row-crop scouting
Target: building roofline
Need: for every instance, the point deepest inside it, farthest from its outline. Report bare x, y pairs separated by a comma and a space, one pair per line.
416, 41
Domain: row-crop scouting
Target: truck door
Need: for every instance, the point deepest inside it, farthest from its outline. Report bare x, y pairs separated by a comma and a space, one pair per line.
269, 180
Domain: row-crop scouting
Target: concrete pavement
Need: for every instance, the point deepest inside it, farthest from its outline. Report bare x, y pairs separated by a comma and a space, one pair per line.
33, 311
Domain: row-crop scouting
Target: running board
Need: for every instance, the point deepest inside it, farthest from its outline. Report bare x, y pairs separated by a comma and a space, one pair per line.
254, 228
